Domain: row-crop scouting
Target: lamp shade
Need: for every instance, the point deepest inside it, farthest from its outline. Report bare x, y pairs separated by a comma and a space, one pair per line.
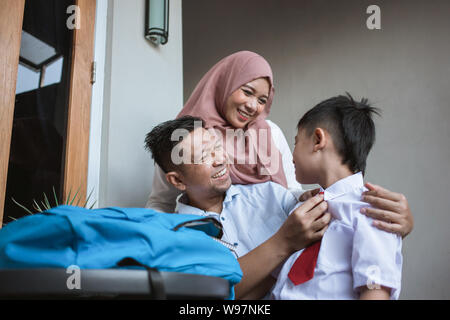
157, 21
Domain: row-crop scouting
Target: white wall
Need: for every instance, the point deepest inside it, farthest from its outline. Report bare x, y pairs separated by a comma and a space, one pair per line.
319, 49
95, 137
143, 87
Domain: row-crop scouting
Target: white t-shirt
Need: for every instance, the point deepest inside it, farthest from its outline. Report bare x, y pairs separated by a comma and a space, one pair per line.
163, 195
353, 253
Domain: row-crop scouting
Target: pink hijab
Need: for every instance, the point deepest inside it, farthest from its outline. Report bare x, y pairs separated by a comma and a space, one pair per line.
208, 102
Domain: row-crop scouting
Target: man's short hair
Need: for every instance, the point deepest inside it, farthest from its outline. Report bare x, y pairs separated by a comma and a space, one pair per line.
160, 143
350, 125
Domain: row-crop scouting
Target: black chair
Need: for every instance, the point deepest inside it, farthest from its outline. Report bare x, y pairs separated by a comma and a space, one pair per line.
110, 284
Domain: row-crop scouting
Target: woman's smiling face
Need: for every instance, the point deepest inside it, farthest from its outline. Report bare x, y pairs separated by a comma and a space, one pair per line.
246, 103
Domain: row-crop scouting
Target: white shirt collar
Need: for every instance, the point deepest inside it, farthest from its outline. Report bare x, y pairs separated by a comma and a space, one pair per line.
343, 186
187, 209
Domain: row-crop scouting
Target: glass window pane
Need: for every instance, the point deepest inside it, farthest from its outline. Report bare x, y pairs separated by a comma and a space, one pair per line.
27, 79
53, 72
36, 163
34, 50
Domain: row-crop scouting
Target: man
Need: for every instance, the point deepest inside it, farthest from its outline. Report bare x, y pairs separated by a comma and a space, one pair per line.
257, 220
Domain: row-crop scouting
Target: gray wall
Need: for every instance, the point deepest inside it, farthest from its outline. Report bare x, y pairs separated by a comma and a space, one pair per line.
143, 87
318, 49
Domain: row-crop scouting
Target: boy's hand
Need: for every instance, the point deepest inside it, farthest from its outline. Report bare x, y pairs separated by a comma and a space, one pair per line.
391, 210
304, 226
308, 194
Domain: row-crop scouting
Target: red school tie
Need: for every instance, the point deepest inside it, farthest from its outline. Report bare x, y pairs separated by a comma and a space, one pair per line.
303, 268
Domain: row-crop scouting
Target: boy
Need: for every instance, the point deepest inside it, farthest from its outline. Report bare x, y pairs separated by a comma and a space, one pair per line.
254, 217
354, 259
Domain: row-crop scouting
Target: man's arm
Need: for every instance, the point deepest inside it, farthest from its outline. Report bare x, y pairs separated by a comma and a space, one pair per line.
256, 268
304, 226
261, 289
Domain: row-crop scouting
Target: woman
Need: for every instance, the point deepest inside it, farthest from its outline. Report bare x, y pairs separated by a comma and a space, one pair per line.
237, 93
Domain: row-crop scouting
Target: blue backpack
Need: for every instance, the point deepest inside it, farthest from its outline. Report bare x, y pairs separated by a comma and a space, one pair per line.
101, 238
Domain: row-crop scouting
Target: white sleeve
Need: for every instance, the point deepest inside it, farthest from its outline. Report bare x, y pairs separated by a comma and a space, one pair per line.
288, 166
163, 195
376, 256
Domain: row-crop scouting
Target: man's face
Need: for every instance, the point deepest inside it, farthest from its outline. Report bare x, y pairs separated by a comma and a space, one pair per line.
303, 157
207, 172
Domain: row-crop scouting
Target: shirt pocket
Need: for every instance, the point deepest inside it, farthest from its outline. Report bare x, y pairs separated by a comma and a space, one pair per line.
336, 247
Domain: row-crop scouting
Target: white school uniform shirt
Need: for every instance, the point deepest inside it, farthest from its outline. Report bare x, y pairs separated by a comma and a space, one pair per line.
251, 214
352, 254
163, 195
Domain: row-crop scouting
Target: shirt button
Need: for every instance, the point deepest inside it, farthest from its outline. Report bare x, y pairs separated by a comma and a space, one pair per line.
222, 218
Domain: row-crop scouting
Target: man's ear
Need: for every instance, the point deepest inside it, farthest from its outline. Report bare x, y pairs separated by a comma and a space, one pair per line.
174, 178
320, 139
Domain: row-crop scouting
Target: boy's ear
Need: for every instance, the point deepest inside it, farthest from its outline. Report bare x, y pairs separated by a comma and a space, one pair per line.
174, 178
320, 139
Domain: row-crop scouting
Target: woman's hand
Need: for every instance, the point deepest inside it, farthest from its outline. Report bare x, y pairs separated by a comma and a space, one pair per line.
391, 210
304, 226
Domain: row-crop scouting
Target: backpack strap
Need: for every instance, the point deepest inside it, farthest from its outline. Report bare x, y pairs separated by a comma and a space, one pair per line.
155, 280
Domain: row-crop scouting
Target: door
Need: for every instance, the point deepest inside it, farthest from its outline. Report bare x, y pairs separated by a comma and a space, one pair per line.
46, 59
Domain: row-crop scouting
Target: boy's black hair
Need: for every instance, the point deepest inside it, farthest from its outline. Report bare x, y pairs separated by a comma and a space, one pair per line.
159, 141
350, 125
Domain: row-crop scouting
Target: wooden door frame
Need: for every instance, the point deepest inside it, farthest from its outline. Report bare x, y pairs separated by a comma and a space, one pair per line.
11, 20
79, 112
80, 92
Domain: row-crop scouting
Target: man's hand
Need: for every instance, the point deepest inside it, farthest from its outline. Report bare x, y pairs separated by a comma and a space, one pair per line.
308, 194
391, 210
306, 225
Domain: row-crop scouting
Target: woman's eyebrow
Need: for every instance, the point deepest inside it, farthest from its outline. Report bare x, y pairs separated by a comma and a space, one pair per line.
249, 87
254, 90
